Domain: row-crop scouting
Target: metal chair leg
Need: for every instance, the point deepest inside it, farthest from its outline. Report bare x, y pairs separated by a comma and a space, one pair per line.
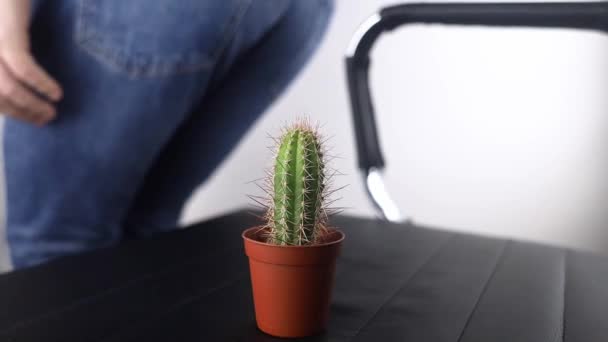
374, 184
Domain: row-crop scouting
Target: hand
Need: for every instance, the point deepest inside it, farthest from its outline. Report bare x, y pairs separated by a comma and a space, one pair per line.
27, 92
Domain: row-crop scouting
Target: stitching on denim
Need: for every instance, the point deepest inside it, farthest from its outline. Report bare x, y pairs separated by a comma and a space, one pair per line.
231, 29
104, 55
84, 38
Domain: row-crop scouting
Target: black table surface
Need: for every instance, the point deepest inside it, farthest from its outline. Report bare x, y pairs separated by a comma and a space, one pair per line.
394, 282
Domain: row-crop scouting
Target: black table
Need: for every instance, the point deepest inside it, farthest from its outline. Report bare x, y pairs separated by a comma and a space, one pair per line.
394, 283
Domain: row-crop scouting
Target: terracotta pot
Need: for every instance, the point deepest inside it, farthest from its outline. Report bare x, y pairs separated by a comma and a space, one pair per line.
292, 284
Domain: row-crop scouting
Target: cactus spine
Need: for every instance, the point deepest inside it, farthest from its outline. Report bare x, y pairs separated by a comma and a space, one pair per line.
296, 215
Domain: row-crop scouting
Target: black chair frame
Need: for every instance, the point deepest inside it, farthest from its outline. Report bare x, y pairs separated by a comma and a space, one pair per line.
574, 15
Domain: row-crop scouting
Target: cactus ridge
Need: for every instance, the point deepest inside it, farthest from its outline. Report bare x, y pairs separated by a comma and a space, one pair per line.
296, 214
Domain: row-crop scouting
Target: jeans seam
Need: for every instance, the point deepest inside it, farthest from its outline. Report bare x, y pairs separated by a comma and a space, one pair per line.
231, 29
274, 88
108, 57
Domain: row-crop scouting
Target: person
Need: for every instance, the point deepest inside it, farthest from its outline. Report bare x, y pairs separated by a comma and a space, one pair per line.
116, 110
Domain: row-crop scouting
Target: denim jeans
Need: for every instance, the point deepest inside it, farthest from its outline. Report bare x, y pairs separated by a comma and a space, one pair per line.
156, 94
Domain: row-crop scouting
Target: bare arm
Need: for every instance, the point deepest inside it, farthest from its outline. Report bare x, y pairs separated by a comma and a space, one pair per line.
20, 74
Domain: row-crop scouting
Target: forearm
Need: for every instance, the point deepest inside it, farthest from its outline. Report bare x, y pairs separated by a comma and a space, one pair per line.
15, 15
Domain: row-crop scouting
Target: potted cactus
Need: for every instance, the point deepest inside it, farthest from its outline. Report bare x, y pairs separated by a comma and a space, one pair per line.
292, 256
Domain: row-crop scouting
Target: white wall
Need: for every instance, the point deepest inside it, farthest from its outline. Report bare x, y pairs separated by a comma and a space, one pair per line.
494, 131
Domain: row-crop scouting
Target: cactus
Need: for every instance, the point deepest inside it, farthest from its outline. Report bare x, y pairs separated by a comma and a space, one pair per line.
296, 214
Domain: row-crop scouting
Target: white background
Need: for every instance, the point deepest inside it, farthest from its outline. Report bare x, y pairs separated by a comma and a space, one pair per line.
494, 131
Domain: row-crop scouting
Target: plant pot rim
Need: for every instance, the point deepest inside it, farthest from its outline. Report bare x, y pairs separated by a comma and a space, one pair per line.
340, 236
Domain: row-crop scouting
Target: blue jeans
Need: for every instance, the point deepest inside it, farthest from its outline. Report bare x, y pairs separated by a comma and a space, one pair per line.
156, 95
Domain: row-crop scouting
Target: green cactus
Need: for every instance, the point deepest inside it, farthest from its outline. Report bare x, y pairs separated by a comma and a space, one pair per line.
296, 214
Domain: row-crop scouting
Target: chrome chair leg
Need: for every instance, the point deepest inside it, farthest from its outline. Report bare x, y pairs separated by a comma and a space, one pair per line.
382, 201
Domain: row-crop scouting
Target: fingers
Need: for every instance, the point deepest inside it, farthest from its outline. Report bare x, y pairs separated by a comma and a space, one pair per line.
9, 109
23, 67
27, 92
20, 102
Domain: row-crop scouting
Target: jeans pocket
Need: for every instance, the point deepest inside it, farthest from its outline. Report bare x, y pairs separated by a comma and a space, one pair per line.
143, 38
